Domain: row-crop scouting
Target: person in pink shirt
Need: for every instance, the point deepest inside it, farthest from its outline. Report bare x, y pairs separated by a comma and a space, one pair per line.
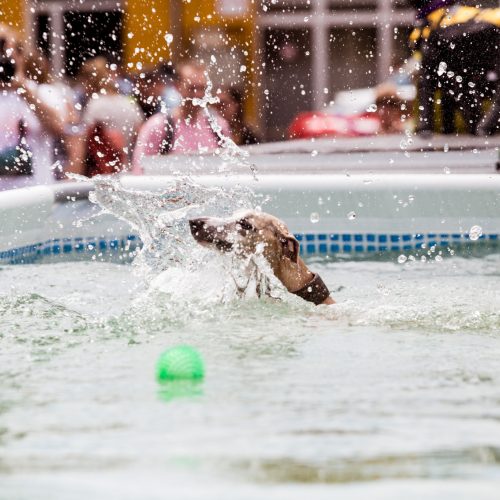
185, 130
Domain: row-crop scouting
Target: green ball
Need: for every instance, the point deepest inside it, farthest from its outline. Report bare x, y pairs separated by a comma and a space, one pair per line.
180, 363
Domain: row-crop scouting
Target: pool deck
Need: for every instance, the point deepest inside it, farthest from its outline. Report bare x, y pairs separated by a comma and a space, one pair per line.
396, 154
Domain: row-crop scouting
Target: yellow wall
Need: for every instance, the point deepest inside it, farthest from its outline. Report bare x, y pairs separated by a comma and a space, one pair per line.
238, 31
12, 13
145, 27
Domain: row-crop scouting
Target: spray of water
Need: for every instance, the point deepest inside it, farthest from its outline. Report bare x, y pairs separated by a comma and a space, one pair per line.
176, 270
229, 152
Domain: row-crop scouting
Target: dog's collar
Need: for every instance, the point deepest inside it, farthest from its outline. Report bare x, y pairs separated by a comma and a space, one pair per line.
315, 291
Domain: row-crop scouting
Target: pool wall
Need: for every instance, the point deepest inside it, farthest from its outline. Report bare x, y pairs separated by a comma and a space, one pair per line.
330, 214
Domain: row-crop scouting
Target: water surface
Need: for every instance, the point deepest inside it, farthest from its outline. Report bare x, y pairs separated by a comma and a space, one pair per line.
393, 392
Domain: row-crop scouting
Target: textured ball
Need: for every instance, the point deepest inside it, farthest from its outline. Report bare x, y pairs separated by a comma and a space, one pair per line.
180, 363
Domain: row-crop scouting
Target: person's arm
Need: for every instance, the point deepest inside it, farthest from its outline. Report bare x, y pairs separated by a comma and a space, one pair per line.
148, 142
76, 146
48, 117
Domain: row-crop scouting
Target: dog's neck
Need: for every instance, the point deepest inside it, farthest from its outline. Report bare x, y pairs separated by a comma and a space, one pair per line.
295, 276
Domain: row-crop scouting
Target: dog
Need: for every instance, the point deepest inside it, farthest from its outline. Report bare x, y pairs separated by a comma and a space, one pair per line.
459, 50
249, 233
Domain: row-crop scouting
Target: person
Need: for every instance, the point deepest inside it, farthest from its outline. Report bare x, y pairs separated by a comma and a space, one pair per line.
112, 120
28, 125
156, 88
58, 95
185, 130
390, 110
231, 108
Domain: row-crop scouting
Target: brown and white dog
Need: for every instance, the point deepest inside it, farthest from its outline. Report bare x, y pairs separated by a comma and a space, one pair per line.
248, 233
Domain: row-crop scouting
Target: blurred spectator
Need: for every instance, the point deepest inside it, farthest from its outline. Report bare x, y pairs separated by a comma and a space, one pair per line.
231, 109
392, 111
112, 120
187, 129
87, 81
60, 97
28, 125
156, 88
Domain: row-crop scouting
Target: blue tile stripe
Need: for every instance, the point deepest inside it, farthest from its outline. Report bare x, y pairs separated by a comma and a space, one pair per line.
77, 246
323, 244
310, 244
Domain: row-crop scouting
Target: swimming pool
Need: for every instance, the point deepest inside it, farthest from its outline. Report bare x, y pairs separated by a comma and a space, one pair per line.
394, 391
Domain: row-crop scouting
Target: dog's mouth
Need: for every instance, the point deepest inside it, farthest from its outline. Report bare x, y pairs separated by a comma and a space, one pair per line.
209, 232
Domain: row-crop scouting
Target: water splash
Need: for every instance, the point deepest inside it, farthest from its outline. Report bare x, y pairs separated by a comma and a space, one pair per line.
170, 260
161, 217
229, 152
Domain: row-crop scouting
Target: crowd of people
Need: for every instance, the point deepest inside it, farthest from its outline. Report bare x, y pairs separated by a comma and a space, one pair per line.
103, 121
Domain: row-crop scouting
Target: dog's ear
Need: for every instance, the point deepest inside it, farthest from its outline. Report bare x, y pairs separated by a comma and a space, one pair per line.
290, 248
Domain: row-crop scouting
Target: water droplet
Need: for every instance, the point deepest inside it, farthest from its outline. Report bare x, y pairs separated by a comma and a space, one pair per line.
471, 85
438, 258
474, 151
442, 68
169, 38
371, 108
351, 215
320, 201
475, 232
314, 153
314, 217
446, 148
446, 170
458, 78
402, 259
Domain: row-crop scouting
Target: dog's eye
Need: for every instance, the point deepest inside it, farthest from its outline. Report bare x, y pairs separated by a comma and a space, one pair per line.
245, 225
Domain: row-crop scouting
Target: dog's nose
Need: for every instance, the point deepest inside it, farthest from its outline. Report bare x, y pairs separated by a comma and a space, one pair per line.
197, 225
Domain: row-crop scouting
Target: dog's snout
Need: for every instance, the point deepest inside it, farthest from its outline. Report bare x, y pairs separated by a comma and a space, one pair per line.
209, 231
197, 226
203, 230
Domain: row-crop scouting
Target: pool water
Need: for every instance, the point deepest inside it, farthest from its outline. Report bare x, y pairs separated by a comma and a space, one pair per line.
394, 391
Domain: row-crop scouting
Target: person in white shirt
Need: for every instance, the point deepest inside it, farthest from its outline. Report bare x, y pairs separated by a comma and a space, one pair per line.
27, 125
54, 92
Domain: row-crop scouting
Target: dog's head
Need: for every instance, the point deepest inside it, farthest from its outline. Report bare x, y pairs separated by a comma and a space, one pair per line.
247, 233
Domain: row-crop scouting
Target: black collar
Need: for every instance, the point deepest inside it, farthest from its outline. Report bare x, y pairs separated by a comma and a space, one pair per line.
315, 291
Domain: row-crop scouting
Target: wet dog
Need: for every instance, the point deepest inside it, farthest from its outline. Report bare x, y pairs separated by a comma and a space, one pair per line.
251, 233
